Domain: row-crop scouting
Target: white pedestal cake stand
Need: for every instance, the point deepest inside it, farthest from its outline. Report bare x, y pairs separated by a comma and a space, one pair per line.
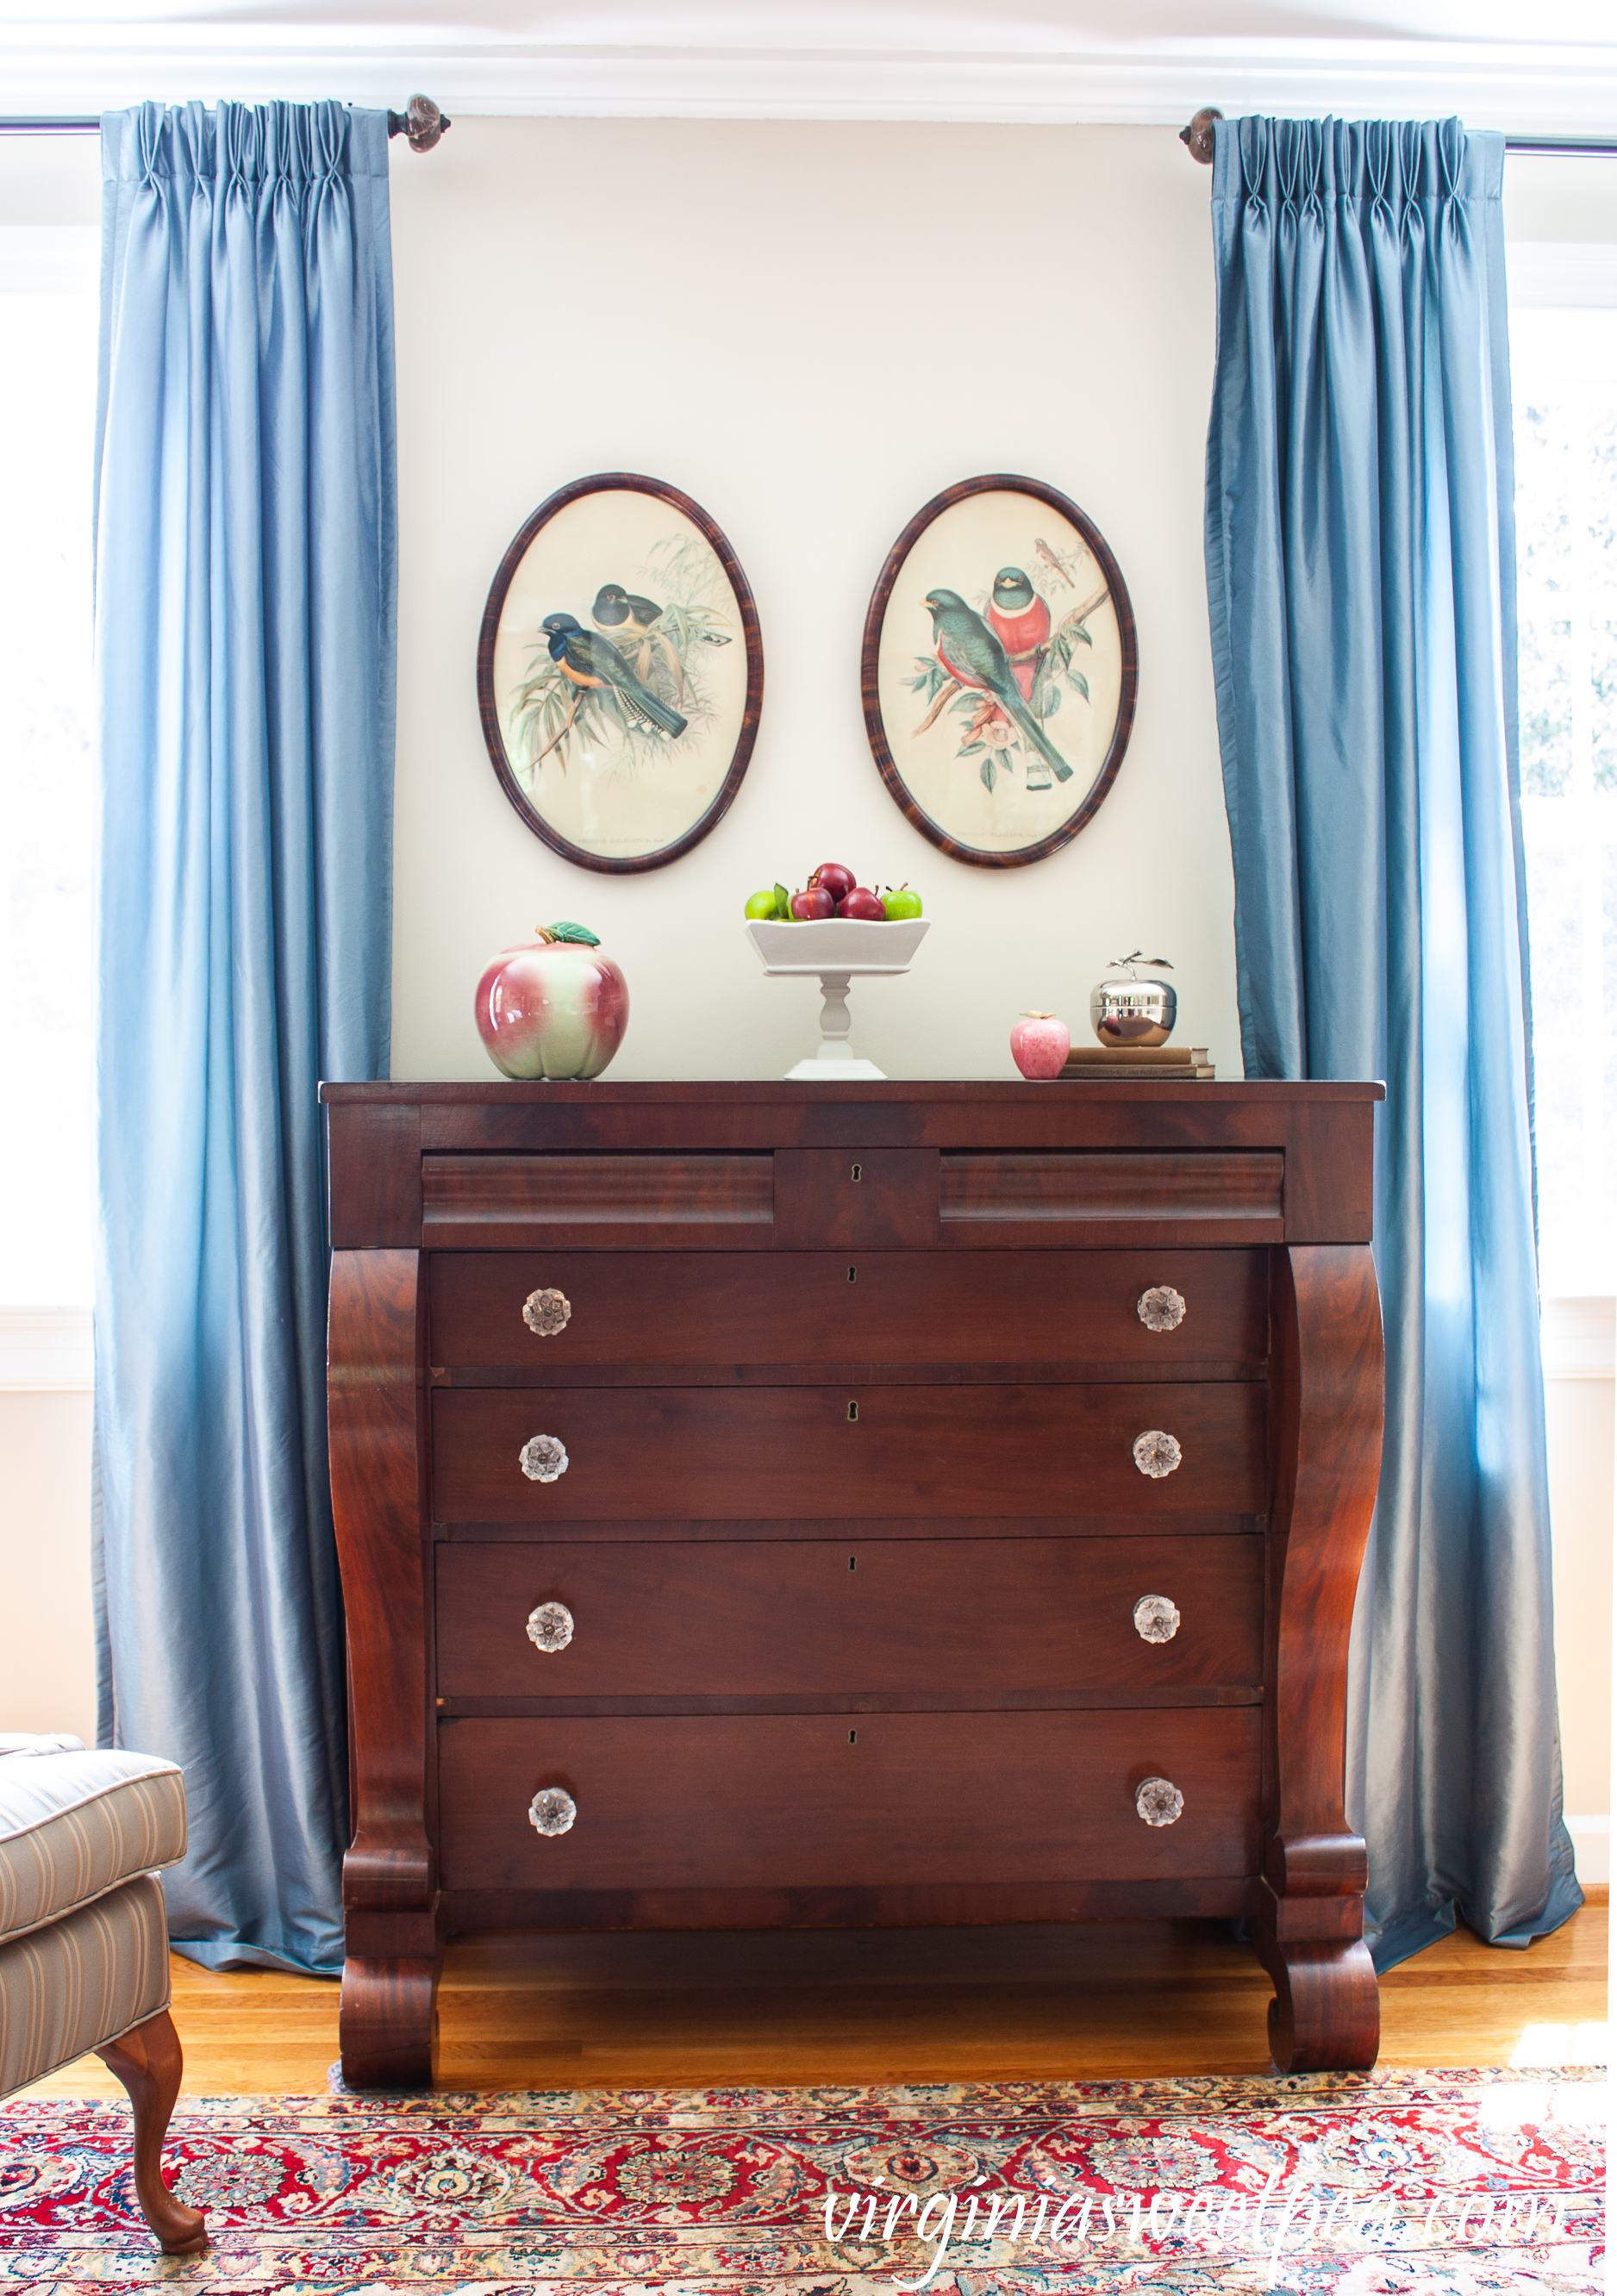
839, 949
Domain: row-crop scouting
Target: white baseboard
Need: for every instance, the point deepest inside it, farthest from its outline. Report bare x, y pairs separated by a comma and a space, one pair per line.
1592, 1846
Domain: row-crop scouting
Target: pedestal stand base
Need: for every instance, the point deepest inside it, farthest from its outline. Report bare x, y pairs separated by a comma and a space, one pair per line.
836, 1071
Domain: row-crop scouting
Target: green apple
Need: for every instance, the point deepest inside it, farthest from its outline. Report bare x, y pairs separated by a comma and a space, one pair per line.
761, 905
901, 904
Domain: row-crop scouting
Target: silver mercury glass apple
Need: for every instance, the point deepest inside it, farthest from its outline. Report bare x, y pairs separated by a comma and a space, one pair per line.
1126, 1011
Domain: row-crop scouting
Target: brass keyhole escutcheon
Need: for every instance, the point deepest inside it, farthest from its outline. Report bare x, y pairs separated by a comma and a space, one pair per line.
855, 1171
853, 1412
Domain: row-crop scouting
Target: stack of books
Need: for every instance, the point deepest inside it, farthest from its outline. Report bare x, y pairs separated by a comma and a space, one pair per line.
1139, 1064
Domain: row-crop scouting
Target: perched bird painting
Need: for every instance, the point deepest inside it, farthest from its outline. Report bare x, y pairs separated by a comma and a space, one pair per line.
975, 658
589, 661
1005, 671
628, 687
1020, 620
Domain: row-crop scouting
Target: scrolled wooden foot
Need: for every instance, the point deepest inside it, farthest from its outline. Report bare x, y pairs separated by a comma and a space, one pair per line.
388, 2020
1325, 2016
149, 2063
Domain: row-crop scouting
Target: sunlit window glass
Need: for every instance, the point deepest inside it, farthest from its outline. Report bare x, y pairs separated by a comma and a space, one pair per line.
47, 404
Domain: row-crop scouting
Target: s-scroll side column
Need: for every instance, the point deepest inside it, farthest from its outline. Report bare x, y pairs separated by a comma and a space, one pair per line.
1327, 1404
388, 1876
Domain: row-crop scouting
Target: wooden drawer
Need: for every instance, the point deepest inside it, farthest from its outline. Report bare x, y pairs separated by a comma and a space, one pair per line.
708, 1454
813, 1800
734, 1307
955, 1619
1183, 1196
607, 1202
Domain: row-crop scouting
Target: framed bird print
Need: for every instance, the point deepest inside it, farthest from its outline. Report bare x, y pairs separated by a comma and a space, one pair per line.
999, 671
619, 673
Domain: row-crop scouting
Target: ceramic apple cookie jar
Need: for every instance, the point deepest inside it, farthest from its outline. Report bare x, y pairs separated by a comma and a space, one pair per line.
556, 1008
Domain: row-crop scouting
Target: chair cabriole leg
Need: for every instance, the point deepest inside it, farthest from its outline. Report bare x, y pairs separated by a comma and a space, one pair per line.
148, 2062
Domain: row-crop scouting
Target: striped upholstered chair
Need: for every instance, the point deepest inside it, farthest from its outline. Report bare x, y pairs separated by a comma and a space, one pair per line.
84, 1943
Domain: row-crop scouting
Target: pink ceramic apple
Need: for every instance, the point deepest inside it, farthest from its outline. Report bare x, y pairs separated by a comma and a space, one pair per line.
1039, 1045
556, 1008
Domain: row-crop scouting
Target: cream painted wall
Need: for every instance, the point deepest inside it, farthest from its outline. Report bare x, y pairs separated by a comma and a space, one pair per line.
811, 329
48, 1641
1578, 1422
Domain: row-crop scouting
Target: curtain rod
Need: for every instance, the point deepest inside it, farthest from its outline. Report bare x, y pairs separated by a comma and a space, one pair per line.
1198, 141
422, 124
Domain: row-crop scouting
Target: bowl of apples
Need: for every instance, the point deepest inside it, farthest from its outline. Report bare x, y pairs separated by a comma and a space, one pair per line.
839, 930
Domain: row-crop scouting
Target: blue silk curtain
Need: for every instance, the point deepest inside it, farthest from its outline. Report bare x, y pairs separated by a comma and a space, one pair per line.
1361, 576
245, 601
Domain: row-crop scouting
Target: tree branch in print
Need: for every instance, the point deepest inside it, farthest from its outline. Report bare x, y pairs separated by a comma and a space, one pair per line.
665, 651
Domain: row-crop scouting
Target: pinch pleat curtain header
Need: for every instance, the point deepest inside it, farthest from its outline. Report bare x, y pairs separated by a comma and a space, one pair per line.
1397, 164
246, 543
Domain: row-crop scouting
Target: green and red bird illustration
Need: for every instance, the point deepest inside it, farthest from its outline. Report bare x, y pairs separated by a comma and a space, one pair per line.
586, 659
974, 656
1020, 620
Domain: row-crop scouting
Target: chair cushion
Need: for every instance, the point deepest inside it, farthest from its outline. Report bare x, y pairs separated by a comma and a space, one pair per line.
83, 1982
75, 1825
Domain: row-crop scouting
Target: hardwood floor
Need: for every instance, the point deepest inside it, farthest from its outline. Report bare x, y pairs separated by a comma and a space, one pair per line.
1101, 2002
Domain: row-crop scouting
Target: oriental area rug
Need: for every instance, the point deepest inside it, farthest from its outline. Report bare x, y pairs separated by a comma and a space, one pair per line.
1373, 2185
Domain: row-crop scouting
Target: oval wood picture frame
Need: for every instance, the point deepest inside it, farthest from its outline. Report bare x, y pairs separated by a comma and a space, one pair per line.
619, 673
1005, 764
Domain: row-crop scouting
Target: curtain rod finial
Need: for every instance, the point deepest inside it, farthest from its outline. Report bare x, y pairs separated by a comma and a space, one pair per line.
1197, 138
423, 125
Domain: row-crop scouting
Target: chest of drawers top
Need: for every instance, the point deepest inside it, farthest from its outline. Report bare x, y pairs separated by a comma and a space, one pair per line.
882, 1167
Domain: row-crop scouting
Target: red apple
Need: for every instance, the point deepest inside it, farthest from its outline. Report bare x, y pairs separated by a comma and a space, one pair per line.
1039, 1045
861, 903
838, 882
556, 1008
816, 902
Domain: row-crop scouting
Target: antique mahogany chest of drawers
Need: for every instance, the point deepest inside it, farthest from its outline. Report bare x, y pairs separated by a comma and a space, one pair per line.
784, 1505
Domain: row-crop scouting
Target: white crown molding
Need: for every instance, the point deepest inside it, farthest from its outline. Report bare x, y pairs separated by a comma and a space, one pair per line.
1527, 88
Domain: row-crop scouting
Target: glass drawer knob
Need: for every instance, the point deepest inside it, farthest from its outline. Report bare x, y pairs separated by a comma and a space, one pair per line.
553, 1811
550, 1626
547, 1313
1159, 1309
543, 1458
1155, 1454
1158, 1802
1156, 1620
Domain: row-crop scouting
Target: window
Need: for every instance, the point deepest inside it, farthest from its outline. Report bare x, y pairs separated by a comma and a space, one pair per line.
1565, 392
47, 403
